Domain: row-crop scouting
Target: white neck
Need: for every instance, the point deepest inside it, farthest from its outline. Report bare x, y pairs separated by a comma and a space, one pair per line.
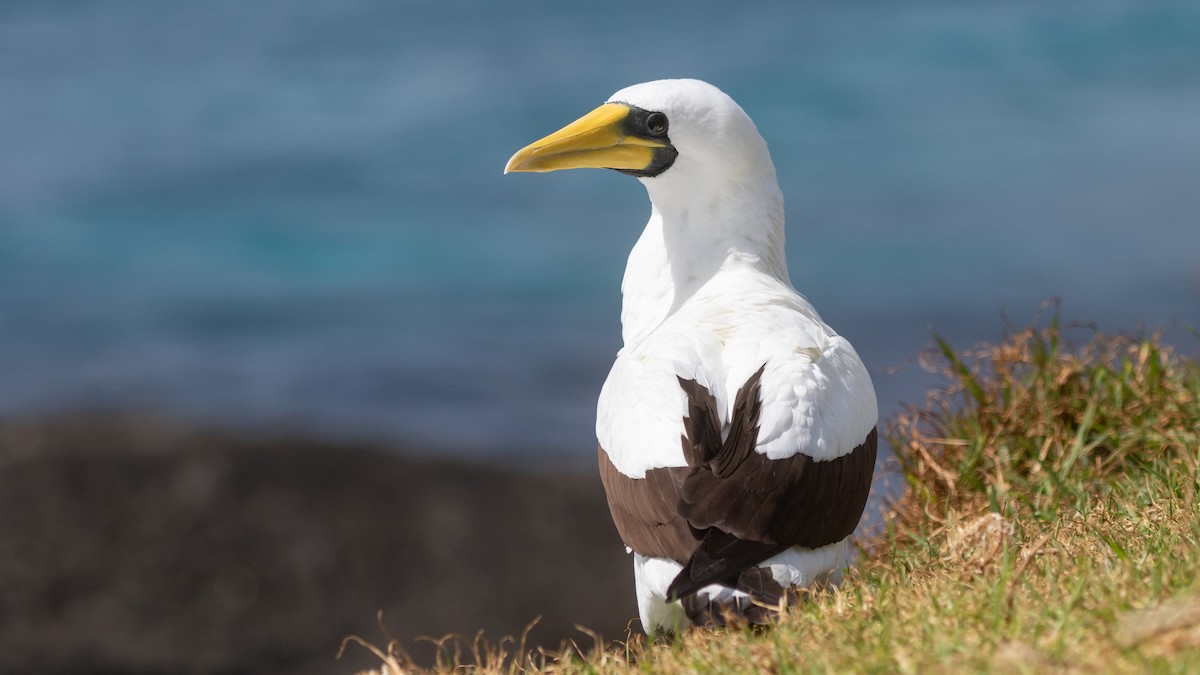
697, 230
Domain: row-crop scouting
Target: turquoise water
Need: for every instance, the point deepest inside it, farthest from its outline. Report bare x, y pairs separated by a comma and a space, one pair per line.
294, 216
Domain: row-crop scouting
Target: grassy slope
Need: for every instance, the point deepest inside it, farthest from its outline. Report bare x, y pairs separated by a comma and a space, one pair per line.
1052, 524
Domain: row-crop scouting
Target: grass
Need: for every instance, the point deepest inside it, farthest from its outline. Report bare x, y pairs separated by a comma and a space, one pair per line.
1051, 524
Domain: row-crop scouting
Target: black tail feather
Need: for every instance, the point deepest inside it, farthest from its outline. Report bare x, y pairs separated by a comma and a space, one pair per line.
720, 559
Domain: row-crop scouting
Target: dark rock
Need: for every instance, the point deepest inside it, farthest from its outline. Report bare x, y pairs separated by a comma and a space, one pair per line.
130, 545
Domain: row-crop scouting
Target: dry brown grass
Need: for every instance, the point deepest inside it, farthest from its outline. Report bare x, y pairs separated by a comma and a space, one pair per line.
1037, 419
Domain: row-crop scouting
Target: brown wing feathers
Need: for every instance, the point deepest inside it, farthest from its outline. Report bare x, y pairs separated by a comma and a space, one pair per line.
722, 554
646, 510
701, 427
731, 507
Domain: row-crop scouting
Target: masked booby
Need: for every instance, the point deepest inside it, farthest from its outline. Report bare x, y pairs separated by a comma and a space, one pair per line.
737, 431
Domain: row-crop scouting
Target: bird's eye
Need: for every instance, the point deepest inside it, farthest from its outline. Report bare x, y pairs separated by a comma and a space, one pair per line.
656, 124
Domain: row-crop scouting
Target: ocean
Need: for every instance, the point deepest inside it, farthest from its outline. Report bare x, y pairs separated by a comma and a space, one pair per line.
291, 216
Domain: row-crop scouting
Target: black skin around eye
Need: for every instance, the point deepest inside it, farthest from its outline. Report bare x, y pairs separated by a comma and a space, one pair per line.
656, 124
644, 123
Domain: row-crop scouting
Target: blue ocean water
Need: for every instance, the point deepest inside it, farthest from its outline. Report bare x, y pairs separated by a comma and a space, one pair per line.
292, 215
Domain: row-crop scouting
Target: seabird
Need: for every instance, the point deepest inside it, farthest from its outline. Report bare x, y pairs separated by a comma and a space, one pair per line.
737, 431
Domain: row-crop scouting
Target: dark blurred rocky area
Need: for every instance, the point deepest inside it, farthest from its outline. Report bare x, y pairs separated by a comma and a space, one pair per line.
130, 544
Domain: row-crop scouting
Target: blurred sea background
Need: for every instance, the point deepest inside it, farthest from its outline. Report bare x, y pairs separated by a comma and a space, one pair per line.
292, 215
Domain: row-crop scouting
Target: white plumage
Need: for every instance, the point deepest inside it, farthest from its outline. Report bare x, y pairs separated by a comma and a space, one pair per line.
707, 299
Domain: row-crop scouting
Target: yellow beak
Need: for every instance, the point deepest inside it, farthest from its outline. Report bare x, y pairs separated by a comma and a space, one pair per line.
597, 140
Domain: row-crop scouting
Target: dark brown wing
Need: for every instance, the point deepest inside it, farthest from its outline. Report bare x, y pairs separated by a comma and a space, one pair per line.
792, 501
646, 510
731, 507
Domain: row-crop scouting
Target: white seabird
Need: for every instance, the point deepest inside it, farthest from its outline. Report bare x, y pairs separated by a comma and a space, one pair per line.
737, 431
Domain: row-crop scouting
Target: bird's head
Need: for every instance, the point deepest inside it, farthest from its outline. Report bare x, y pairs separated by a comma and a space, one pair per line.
685, 132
